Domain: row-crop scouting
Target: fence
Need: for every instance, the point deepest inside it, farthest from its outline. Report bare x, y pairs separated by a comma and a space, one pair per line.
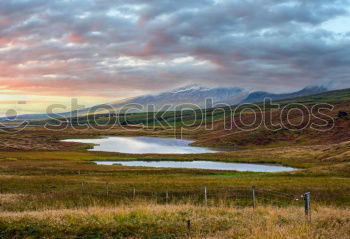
200, 195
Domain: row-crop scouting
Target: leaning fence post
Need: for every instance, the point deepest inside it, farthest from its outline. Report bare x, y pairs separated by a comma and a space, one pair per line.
307, 200
254, 197
205, 196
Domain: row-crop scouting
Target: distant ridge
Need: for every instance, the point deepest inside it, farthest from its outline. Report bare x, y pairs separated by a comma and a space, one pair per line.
187, 97
259, 96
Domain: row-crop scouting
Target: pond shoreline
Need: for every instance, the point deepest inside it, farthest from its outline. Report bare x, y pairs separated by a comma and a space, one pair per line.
199, 164
213, 156
143, 145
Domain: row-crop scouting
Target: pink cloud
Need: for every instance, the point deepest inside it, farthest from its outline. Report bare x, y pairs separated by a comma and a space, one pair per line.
76, 38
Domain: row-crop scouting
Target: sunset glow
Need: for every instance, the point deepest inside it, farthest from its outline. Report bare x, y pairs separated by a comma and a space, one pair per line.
103, 51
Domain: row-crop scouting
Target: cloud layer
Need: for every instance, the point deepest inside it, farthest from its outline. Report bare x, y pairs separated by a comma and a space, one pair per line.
115, 47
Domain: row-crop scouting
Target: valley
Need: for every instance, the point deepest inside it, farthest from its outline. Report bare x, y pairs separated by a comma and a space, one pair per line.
42, 177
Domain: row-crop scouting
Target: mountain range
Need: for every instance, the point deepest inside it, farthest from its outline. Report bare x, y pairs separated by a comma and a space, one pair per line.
198, 95
188, 96
259, 96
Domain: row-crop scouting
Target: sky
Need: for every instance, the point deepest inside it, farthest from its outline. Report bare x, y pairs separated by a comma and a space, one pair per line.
106, 50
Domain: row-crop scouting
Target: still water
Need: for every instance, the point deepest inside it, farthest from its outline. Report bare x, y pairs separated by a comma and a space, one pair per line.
153, 145
213, 165
143, 145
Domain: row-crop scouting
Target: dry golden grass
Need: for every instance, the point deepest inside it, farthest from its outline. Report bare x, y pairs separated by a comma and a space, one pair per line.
10, 198
170, 221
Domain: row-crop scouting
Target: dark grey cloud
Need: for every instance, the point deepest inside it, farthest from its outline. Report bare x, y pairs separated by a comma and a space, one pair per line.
157, 44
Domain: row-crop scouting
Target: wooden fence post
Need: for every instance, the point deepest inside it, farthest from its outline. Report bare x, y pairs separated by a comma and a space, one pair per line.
107, 189
307, 200
82, 187
166, 197
189, 227
134, 194
205, 196
254, 197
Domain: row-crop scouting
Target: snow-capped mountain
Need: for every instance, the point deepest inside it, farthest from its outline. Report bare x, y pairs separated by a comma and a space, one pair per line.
198, 95
189, 95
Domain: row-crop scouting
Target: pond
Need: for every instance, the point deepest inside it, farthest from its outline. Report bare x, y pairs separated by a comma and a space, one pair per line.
143, 145
154, 145
212, 165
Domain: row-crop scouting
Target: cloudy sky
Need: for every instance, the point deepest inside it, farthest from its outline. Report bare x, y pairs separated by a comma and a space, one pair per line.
106, 50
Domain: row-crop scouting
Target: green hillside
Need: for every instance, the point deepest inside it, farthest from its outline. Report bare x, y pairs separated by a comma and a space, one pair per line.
193, 116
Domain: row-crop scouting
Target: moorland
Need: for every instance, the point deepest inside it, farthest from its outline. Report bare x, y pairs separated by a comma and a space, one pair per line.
53, 189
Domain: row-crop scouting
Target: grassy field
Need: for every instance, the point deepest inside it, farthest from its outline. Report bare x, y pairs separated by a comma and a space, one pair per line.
63, 194
174, 221
53, 189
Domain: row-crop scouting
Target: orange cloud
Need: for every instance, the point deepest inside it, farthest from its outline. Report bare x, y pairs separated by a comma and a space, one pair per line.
76, 38
24, 102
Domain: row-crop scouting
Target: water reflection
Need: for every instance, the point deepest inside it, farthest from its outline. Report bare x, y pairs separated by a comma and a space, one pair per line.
213, 165
143, 145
